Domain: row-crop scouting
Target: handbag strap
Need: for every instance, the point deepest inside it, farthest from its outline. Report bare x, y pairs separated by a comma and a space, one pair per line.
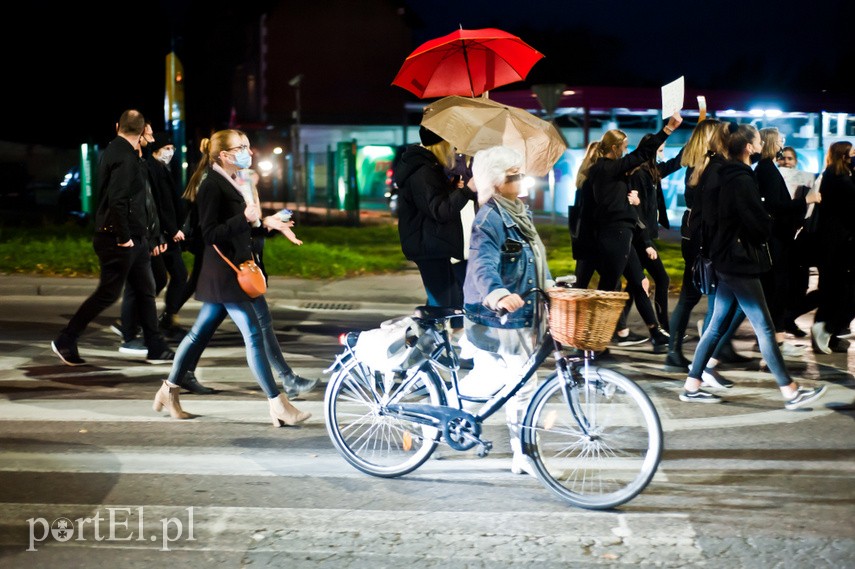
226, 259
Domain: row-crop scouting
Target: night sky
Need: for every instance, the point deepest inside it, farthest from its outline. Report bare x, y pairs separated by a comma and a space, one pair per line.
68, 76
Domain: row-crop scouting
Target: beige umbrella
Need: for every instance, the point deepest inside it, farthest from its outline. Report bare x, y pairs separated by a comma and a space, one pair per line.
473, 124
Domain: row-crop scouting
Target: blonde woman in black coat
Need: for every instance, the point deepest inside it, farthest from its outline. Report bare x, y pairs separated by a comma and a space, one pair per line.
226, 219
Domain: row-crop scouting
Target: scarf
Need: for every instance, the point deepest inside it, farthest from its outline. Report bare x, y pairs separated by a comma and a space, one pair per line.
519, 213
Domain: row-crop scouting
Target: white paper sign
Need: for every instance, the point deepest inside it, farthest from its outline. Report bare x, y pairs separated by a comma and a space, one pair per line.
672, 97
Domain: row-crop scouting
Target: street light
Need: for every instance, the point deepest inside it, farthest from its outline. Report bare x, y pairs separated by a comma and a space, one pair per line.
295, 142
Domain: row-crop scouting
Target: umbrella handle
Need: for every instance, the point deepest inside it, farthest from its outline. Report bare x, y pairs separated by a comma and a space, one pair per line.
466, 61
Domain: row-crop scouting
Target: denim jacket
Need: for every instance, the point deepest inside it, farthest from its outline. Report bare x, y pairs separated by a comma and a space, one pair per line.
501, 262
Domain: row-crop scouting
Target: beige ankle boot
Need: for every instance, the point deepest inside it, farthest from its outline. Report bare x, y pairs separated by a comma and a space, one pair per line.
168, 397
282, 412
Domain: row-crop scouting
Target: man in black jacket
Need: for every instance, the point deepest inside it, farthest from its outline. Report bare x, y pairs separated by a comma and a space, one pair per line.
120, 243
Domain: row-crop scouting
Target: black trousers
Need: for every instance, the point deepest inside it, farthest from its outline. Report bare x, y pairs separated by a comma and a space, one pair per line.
618, 257
169, 272
118, 266
443, 282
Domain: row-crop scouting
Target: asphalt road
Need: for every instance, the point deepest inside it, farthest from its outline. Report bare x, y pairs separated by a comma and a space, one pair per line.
743, 484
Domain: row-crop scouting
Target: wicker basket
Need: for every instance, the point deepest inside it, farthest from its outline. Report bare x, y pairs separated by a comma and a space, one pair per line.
584, 318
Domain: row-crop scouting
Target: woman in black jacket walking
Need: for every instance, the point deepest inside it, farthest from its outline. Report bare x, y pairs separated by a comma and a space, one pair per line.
429, 222
226, 218
652, 212
740, 255
616, 218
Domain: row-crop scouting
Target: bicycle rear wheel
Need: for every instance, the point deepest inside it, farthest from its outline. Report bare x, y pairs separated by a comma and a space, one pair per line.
609, 461
364, 434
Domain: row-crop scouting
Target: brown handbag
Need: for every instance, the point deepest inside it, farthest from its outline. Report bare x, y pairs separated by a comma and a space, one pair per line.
249, 276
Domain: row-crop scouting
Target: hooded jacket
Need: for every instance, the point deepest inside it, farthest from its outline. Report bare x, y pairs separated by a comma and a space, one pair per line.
429, 223
743, 225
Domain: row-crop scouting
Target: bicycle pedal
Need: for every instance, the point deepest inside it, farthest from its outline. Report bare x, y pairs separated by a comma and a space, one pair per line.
484, 449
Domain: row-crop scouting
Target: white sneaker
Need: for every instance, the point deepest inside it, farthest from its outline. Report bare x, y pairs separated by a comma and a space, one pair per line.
791, 350
522, 464
820, 337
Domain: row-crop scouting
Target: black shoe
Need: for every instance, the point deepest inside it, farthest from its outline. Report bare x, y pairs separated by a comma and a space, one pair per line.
660, 340
134, 347
794, 330
729, 356
804, 396
161, 355
712, 378
675, 362
630, 339
66, 348
295, 385
839, 345
191, 384
603, 355
699, 396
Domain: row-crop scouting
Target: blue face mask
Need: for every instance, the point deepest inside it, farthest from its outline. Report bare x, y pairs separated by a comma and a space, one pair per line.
243, 159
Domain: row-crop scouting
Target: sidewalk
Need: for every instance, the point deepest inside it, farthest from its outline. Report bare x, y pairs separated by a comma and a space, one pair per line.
403, 288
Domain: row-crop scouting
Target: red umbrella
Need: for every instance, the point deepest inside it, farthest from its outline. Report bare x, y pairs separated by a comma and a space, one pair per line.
466, 62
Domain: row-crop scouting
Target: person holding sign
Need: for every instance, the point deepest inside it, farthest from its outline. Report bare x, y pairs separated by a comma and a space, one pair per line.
616, 217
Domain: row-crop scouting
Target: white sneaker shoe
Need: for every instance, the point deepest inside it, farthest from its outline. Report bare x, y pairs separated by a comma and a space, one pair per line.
791, 350
820, 337
522, 464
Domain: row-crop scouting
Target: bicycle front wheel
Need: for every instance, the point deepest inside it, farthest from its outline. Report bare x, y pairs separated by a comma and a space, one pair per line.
600, 449
370, 439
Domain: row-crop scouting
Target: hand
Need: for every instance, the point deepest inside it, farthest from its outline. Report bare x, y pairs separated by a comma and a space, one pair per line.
633, 197
156, 251
675, 121
274, 223
128, 243
511, 303
178, 236
251, 213
651, 253
813, 197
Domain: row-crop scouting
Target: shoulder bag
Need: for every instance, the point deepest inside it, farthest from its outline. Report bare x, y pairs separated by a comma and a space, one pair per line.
249, 276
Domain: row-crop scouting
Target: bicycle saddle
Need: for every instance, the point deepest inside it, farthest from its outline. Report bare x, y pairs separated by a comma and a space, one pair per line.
435, 313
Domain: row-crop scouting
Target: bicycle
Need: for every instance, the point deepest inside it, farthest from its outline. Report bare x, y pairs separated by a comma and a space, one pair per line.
594, 436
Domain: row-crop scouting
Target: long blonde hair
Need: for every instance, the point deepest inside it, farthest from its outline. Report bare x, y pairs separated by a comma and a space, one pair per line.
444, 153
210, 149
696, 153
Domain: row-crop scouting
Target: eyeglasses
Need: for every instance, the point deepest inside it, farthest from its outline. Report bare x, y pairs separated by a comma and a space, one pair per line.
513, 178
241, 147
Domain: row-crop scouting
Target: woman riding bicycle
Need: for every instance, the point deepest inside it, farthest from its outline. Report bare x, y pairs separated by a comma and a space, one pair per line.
506, 259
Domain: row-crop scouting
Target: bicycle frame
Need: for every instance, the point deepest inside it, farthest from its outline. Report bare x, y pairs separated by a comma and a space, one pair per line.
461, 428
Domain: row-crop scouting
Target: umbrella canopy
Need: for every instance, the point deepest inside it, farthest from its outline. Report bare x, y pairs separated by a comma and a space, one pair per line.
466, 62
475, 124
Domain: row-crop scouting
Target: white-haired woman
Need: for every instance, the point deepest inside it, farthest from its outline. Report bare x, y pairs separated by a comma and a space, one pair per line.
506, 259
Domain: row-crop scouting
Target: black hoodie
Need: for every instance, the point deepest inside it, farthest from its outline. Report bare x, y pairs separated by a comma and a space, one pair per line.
743, 224
429, 223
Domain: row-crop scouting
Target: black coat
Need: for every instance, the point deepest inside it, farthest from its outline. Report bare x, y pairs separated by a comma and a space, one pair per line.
222, 222
121, 184
836, 223
170, 206
743, 226
787, 213
429, 224
610, 182
652, 211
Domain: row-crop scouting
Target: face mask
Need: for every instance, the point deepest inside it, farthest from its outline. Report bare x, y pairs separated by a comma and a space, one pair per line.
243, 159
166, 156
754, 158
852, 162
779, 154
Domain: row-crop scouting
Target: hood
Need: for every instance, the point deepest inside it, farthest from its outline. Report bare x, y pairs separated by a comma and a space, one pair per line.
732, 169
413, 158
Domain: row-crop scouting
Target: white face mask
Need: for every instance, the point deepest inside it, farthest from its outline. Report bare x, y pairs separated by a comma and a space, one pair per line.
166, 156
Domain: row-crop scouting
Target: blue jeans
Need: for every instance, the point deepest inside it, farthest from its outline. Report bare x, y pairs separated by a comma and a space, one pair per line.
211, 315
747, 292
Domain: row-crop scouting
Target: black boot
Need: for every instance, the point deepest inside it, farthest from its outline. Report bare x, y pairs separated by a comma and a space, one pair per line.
727, 355
295, 385
191, 384
676, 362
